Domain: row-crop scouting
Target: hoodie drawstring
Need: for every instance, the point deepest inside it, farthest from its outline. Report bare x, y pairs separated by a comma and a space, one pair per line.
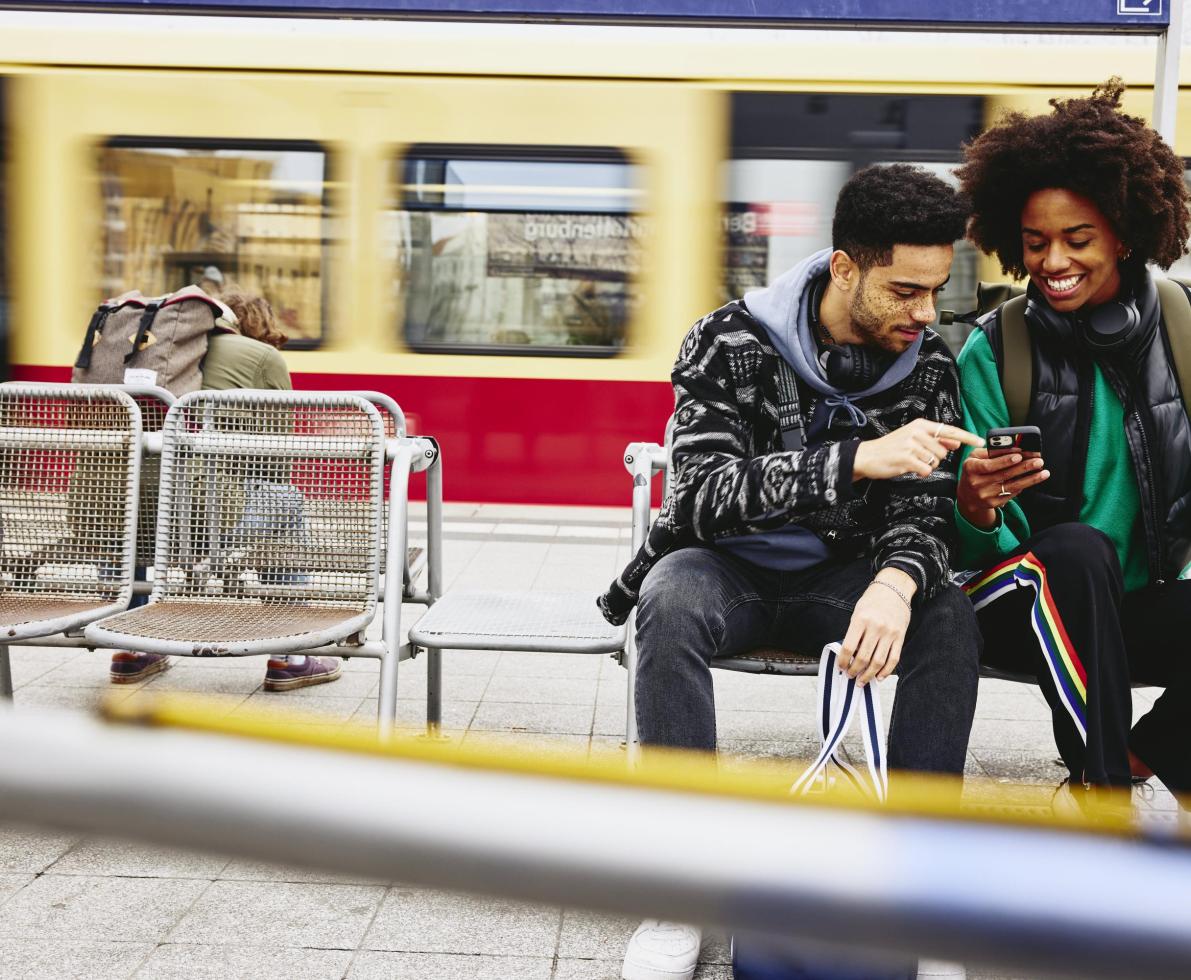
841, 401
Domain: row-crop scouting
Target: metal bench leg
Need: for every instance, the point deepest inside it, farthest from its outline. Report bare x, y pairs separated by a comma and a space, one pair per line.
386, 718
434, 693
391, 623
631, 739
5, 674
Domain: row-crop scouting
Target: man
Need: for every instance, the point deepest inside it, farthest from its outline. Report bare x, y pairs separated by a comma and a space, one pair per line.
813, 487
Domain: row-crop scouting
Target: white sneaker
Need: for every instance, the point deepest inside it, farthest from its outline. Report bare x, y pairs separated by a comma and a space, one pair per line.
938, 969
662, 951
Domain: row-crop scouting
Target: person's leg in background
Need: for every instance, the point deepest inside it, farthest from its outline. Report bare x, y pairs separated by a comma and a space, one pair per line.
1054, 610
127, 666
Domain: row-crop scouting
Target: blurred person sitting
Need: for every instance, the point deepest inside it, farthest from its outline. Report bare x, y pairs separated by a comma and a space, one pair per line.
249, 359
813, 488
1083, 555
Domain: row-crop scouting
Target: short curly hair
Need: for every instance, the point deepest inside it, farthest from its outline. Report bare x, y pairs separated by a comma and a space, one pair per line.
1087, 146
895, 204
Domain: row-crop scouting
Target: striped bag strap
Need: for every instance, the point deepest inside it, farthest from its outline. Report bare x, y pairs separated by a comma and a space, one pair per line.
840, 700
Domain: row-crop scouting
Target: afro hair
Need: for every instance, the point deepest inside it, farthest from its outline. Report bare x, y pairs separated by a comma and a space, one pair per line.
1087, 146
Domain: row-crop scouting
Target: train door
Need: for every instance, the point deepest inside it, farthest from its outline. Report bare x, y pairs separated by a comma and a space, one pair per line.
792, 151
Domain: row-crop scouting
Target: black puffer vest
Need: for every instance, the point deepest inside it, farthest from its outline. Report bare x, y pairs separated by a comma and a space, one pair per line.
1157, 429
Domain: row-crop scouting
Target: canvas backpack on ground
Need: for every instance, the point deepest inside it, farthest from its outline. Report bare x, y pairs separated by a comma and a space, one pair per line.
1017, 364
151, 340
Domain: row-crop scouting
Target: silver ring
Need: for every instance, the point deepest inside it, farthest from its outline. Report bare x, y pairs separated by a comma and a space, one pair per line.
934, 461
1004, 492
938, 430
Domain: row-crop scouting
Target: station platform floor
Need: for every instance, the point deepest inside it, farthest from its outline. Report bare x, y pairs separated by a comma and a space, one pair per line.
101, 909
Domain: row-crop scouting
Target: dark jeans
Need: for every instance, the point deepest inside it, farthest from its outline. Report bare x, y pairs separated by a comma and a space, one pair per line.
1110, 638
699, 603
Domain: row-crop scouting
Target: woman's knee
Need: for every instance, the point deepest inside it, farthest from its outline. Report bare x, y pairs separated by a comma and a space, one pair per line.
1078, 545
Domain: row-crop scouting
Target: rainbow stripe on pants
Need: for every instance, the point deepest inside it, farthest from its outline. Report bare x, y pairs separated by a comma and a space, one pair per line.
1066, 669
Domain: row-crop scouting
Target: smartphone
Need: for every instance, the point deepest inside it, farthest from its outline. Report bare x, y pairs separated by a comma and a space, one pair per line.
1024, 439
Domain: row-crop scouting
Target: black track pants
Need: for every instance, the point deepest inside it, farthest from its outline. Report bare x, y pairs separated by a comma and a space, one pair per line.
1057, 609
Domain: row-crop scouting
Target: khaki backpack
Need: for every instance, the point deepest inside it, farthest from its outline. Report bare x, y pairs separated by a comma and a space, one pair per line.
1017, 364
157, 340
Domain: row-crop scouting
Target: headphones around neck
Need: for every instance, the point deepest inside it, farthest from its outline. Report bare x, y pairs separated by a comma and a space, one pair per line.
1111, 326
848, 367
853, 367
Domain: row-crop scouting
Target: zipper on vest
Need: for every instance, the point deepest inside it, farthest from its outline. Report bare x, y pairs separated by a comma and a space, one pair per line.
1155, 546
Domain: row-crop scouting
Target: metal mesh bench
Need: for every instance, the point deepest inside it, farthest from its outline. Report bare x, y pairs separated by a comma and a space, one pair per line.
536, 622
69, 465
69, 461
268, 530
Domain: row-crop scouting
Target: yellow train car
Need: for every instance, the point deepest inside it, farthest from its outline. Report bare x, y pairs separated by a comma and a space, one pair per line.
507, 227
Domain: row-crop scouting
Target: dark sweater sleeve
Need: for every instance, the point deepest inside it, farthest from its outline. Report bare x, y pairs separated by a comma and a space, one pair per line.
919, 532
720, 487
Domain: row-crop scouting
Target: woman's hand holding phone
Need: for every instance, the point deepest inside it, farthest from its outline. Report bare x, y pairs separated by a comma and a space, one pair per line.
988, 482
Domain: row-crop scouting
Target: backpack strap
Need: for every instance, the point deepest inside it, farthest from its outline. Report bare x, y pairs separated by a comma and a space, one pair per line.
1176, 314
142, 330
789, 412
1017, 362
94, 328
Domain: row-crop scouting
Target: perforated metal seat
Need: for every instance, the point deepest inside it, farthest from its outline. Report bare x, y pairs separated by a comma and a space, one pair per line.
268, 532
69, 461
537, 622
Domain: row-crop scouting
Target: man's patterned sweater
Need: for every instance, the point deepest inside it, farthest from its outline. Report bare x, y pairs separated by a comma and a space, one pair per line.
731, 474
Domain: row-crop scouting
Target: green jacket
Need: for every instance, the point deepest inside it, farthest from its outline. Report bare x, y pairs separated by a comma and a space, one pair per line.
234, 361
1111, 505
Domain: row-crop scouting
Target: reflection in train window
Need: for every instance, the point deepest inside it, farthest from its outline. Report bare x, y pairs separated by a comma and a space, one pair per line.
216, 214
516, 252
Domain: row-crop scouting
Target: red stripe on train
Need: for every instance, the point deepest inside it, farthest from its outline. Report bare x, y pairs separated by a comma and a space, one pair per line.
511, 440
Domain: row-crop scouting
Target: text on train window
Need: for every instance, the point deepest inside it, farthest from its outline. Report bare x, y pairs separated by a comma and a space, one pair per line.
524, 253
218, 215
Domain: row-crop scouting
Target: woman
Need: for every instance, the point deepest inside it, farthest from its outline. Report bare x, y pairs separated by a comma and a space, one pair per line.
1083, 553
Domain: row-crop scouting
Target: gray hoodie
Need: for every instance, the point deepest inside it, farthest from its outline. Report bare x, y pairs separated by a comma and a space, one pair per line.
783, 309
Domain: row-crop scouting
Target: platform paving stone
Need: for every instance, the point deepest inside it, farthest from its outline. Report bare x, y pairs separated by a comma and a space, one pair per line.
28, 959
448, 922
78, 907
262, 913
10, 884
26, 849
128, 859
184, 961
73, 906
449, 966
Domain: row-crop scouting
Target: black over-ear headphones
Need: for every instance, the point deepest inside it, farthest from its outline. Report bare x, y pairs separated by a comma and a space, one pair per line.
853, 367
849, 367
1111, 326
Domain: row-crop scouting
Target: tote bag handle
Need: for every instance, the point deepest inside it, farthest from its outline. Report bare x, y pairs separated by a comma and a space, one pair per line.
840, 700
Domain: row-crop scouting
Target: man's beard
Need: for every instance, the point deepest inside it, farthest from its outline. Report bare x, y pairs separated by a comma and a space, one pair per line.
868, 323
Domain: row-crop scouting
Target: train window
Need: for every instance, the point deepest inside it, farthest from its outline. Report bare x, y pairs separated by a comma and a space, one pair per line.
516, 251
791, 154
218, 213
